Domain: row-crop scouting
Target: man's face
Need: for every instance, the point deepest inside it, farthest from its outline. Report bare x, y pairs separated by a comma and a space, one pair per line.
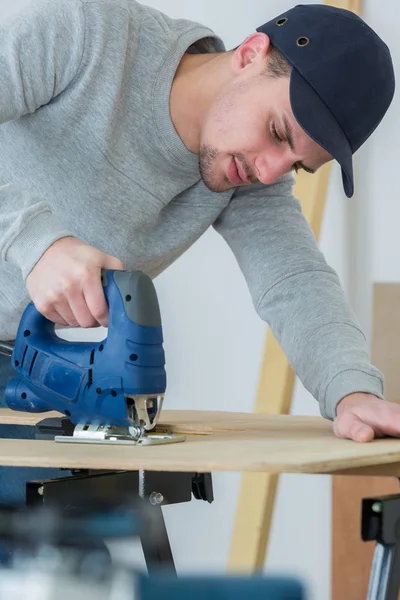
250, 135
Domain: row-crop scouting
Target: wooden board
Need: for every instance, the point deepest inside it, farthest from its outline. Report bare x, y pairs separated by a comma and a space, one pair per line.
350, 578
186, 421
219, 441
10, 417
354, 5
385, 349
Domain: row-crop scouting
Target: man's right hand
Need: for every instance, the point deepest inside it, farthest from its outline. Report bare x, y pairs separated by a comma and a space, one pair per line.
65, 284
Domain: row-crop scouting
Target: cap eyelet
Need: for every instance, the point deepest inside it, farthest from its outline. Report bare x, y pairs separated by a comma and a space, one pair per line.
281, 21
303, 41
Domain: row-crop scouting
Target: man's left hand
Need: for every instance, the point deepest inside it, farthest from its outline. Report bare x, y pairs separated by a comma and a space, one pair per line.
363, 417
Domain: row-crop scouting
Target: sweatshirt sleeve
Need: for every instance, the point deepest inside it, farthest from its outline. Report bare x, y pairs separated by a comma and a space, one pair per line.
41, 47
298, 294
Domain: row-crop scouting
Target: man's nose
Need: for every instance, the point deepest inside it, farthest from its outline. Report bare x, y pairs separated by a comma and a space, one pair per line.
270, 167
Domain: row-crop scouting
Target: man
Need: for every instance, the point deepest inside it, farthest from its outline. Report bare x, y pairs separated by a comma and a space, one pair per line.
126, 134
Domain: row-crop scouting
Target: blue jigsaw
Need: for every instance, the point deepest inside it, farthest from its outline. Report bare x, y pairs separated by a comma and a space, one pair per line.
110, 390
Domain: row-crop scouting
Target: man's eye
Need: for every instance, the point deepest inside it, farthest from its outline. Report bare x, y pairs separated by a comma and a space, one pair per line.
275, 134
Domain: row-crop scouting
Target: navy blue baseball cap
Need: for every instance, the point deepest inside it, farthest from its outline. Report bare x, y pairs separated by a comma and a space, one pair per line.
342, 81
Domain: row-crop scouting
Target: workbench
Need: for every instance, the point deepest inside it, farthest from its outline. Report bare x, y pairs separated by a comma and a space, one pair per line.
215, 441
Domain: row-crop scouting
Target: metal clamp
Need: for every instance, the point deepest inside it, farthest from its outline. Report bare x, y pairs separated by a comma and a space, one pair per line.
381, 522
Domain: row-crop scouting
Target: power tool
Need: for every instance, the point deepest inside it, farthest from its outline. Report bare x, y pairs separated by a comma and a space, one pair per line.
110, 391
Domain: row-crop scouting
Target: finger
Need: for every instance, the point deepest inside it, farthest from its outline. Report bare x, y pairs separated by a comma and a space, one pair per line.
80, 311
349, 426
96, 300
54, 317
48, 310
386, 420
61, 313
64, 311
382, 416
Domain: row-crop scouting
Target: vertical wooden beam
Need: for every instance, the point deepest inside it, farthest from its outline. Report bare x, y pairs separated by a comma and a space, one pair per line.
274, 396
354, 5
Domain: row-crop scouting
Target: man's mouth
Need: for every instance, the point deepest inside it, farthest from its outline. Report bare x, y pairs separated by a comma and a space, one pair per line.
241, 171
236, 173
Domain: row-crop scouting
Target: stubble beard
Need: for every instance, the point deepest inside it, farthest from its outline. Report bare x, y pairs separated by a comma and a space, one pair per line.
208, 157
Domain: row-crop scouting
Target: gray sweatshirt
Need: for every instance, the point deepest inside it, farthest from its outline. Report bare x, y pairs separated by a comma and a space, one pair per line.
88, 149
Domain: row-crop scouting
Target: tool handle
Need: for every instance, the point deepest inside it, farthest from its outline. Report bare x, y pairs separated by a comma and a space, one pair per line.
134, 293
130, 291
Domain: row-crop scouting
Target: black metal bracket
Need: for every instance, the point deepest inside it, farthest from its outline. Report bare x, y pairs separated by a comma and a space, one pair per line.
89, 490
381, 522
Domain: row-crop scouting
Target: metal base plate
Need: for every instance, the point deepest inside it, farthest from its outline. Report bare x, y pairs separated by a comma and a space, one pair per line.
150, 439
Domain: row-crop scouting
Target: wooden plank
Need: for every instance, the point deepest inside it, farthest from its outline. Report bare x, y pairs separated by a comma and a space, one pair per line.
13, 417
347, 492
382, 472
354, 5
265, 444
386, 336
196, 421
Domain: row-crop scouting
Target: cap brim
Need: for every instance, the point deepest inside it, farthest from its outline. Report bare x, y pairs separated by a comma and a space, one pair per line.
315, 118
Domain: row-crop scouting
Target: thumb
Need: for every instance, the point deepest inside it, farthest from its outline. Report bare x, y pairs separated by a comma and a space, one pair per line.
349, 426
363, 433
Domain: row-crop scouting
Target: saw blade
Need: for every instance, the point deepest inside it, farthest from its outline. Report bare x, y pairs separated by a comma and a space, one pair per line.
149, 439
95, 433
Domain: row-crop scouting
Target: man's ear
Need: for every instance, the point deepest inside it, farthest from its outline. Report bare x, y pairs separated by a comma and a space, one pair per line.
250, 52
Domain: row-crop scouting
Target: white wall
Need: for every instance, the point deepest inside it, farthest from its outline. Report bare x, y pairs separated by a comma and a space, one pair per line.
374, 214
214, 339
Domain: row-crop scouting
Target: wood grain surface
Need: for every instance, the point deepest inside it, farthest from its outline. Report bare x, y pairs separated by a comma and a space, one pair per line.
216, 441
